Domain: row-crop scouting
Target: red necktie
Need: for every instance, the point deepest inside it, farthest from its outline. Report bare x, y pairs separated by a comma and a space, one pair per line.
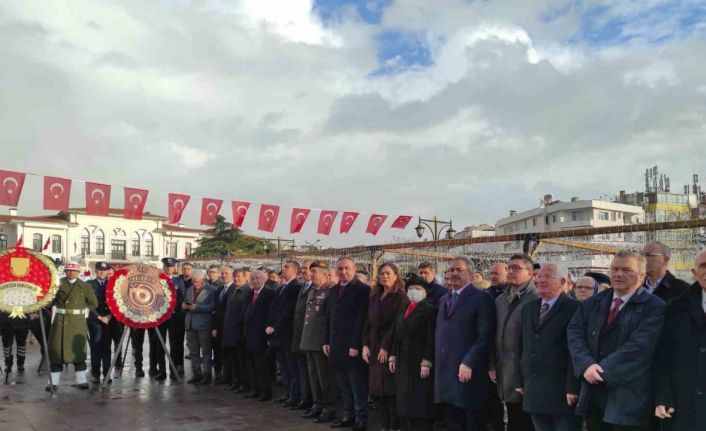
410, 308
617, 302
254, 297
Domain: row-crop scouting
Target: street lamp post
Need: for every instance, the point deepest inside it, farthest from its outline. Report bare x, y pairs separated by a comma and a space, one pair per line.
312, 245
281, 244
436, 227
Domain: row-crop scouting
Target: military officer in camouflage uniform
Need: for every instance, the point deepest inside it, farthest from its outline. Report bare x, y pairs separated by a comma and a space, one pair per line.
67, 336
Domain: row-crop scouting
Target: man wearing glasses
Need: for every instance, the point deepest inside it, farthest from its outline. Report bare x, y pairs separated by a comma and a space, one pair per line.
508, 339
659, 280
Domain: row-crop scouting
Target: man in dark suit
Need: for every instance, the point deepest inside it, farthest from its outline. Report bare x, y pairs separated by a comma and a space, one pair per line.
464, 333
659, 281
279, 328
434, 290
549, 387
346, 315
223, 293
232, 335
254, 337
612, 341
680, 369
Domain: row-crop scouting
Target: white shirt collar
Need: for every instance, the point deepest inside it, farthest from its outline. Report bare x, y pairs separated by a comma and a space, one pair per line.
651, 287
625, 298
551, 302
703, 300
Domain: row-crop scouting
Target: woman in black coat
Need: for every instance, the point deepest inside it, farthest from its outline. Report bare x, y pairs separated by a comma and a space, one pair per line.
412, 360
387, 300
680, 366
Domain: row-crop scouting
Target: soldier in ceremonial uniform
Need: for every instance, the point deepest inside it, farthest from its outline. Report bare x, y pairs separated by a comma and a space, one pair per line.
100, 326
67, 336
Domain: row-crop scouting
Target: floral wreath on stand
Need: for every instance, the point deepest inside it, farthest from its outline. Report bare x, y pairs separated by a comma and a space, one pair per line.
28, 281
140, 296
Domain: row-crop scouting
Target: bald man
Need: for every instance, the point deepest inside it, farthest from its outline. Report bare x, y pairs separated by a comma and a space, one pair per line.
680, 369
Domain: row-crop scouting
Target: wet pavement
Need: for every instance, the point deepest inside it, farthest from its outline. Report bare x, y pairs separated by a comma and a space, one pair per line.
133, 404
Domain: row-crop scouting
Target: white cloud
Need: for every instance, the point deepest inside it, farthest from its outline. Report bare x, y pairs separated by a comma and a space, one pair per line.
191, 158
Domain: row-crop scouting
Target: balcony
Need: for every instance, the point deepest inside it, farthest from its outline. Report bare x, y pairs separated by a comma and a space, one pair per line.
576, 224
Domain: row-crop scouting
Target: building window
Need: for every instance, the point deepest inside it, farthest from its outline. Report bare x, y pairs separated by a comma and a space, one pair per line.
574, 216
546, 220
135, 244
525, 223
603, 215
554, 218
56, 243
534, 221
100, 243
85, 242
187, 249
172, 249
3, 241
149, 245
612, 216
117, 249
37, 242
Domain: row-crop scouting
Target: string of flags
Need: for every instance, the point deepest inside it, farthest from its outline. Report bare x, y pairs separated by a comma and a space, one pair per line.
57, 193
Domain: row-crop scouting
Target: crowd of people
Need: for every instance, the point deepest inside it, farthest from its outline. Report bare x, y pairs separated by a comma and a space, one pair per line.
530, 348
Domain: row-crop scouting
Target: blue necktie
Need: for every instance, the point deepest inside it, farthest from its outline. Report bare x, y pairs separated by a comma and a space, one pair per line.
223, 293
454, 297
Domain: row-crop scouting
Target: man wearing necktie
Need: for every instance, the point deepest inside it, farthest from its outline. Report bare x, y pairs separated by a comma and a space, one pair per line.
612, 339
464, 333
549, 387
224, 292
279, 329
255, 339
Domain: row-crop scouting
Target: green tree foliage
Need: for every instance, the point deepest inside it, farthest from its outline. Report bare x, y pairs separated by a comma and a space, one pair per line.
223, 238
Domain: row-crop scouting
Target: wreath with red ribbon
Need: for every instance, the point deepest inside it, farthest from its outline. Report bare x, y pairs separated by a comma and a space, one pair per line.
140, 296
28, 281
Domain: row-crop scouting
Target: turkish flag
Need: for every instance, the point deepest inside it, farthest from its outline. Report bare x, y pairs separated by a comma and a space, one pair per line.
11, 187
326, 219
299, 216
209, 211
240, 209
401, 222
177, 204
56, 193
97, 199
135, 200
46, 243
375, 223
347, 220
268, 217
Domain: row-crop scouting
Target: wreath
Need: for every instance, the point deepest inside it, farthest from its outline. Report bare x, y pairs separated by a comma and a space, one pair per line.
28, 281
141, 296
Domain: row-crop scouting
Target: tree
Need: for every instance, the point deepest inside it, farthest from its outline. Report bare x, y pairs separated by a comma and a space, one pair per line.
224, 239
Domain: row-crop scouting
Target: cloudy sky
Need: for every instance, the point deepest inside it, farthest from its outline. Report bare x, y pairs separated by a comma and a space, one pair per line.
461, 109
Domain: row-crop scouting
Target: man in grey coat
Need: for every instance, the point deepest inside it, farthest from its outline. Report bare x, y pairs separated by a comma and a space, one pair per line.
505, 361
198, 306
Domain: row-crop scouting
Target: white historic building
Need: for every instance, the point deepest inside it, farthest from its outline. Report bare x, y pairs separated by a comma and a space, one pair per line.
75, 235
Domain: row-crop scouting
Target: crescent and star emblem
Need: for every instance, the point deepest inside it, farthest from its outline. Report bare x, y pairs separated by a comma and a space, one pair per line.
9, 189
178, 204
139, 199
269, 217
59, 186
208, 210
99, 192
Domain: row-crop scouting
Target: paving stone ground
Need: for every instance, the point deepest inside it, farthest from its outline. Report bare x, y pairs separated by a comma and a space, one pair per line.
131, 404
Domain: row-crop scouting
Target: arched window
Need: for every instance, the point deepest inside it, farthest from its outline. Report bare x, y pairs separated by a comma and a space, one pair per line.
85, 242
100, 242
149, 244
37, 242
3, 241
135, 239
56, 243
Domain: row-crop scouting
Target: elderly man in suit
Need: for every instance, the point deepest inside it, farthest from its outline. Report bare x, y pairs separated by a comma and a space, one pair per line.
280, 329
508, 339
549, 386
254, 337
223, 293
464, 334
231, 334
680, 372
346, 315
659, 281
612, 341
198, 306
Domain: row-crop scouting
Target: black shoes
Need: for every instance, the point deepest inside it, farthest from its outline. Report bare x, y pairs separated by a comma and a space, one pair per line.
325, 416
311, 414
49, 388
343, 423
264, 398
139, 373
241, 389
152, 372
82, 386
95, 378
252, 395
196, 379
161, 377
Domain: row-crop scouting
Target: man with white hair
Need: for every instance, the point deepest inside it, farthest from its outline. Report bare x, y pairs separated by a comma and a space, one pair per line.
67, 336
255, 339
550, 390
198, 306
